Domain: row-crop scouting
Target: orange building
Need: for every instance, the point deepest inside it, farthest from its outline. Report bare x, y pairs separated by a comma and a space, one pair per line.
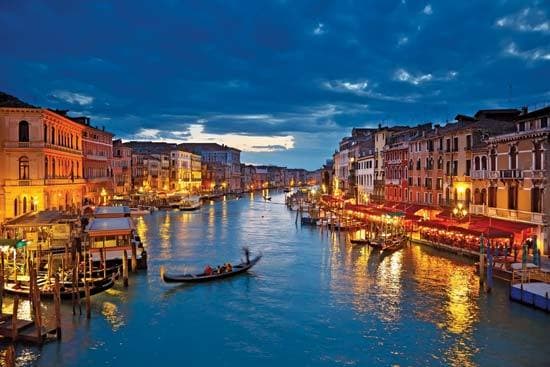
40, 160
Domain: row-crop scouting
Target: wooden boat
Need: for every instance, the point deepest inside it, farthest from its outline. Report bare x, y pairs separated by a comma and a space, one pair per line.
66, 291
140, 211
200, 278
392, 246
361, 242
190, 204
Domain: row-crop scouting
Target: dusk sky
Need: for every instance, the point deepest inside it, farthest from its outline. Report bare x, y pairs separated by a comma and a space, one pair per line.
283, 81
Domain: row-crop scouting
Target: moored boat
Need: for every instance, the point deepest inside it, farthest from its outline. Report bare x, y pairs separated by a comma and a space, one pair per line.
66, 292
360, 242
202, 277
189, 204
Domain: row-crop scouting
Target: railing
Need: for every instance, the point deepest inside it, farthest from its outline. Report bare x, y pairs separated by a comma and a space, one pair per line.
511, 174
536, 174
96, 157
63, 181
477, 209
520, 215
395, 161
493, 175
39, 144
479, 174
393, 181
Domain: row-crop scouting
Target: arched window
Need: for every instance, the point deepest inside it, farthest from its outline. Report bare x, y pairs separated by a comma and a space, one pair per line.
53, 136
24, 204
477, 197
483, 196
493, 160
33, 208
23, 131
476, 164
440, 163
513, 157
45, 133
536, 199
483, 163
468, 198
23, 168
46, 167
53, 168
512, 196
410, 165
15, 208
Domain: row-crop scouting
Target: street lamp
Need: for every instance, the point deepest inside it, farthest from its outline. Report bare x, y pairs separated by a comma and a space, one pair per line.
459, 211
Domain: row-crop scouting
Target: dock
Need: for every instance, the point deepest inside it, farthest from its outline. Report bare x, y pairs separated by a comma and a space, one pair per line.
532, 294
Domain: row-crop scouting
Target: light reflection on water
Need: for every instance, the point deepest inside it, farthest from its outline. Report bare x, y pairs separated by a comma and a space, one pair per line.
313, 299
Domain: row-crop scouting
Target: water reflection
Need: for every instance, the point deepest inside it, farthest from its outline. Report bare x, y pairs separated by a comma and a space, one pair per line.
111, 313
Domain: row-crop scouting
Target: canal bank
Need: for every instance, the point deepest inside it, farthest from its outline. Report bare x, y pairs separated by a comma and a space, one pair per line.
313, 299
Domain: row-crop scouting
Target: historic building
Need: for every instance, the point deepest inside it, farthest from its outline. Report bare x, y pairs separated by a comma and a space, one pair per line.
185, 171
518, 169
396, 157
221, 165
365, 175
122, 168
40, 161
97, 147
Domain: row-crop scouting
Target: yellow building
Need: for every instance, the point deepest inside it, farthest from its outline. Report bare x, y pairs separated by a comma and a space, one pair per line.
516, 169
40, 160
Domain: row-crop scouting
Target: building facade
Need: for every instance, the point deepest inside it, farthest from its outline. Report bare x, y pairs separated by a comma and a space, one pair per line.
122, 168
40, 162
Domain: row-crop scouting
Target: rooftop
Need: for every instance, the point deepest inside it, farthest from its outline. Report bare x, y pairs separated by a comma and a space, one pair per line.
103, 226
7, 100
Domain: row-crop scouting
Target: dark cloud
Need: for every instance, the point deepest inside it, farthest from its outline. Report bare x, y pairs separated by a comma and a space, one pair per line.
273, 68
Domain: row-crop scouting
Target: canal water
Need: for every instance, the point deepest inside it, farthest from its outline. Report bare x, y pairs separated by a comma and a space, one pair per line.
313, 300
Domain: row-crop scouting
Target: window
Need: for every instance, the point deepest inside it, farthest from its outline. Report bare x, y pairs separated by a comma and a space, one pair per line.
418, 164
439, 184
24, 204
468, 142
493, 160
23, 131
513, 157
537, 159
448, 145
544, 122
536, 199
46, 167
483, 163
45, 133
448, 168
512, 196
440, 143
53, 135
440, 163
476, 164
455, 144
455, 168
15, 208
23, 168
521, 126
468, 167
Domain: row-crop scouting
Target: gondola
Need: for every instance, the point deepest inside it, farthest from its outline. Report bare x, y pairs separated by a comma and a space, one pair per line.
394, 246
65, 293
200, 278
360, 242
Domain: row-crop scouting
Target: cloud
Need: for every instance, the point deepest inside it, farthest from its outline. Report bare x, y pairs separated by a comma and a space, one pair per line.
73, 98
360, 88
147, 133
403, 75
319, 30
527, 20
428, 10
535, 54
402, 40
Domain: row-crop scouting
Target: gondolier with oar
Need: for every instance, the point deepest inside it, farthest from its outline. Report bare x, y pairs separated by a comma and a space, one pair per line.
247, 254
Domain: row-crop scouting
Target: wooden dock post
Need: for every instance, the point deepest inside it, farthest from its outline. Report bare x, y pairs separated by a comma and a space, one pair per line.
9, 357
2, 283
57, 307
134, 257
125, 269
14, 319
104, 261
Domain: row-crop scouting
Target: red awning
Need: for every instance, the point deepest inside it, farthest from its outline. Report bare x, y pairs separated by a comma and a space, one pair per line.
501, 224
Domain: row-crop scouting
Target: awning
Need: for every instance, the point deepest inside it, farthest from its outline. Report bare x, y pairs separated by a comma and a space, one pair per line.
501, 224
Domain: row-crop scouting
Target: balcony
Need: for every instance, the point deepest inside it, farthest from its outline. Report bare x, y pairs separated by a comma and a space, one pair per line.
394, 161
480, 174
40, 145
511, 174
518, 215
42, 182
493, 175
393, 181
534, 174
96, 157
477, 209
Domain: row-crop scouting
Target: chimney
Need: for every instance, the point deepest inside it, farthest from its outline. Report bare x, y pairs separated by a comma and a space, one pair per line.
524, 110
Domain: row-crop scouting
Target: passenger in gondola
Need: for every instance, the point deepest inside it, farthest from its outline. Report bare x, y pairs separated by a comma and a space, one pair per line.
221, 269
207, 270
229, 268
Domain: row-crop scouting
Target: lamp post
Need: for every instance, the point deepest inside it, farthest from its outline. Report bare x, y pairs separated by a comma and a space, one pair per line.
459, 211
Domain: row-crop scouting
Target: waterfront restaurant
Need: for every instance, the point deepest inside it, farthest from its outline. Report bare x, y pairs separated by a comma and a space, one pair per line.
112, 235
